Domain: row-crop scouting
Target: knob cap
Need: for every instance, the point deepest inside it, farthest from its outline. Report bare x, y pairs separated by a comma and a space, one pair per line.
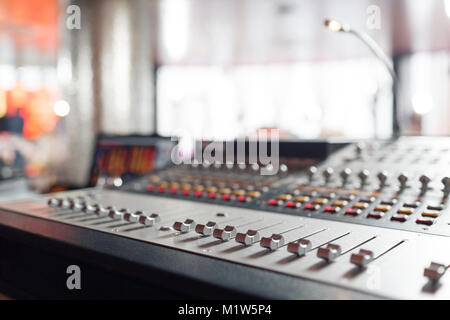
434, 271
327, 173
425, 181
382, 177
362, 258
273, 242
403, 179
225, 234
249, 238
363, 175
311, 172
300, 247
446, 182
184, 227
206, 229
345, 174
330, 252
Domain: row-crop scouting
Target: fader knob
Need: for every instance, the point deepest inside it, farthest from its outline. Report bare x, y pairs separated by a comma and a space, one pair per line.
149, 220
424, 180
403, 179
345, 174
300, 247
363, 175
311, 172
359, 149
382, 177
225, 234
184, 227
446, 182
273, 242
330, 252
206, 229
327, 173
362, 258
251, 237
434, 272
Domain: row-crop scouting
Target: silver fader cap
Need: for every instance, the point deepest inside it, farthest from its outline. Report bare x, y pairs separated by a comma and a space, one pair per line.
273, 242
206, 229
249, 238
435, 271
114, 214
184, 227
300, 247
132, 217
225, 234
149, 220
92, 208
362, 258
104, 211
330, 252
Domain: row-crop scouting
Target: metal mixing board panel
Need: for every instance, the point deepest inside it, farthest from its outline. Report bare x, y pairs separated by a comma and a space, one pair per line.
394, 270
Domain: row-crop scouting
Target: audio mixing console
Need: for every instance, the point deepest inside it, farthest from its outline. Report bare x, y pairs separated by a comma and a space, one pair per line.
371, 221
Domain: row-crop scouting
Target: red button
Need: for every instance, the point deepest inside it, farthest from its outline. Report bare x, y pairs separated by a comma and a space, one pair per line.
376, 215
273, 202
226, 197
161, 189
212, 195
331, 209
173, 190
312, 207
426, 221
399, 217
150, 188
292, 204
241, 199
352, 211
185, 192
198, 194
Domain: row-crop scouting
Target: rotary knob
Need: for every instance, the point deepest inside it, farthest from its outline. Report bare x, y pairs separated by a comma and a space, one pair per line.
311, 172
446, 182
184, 227
206, 229
363, 175
273, 242
403, 180
382, 177
248, 238
225, 234
345, 174
330, 252
300, 247
424, 181
359, 149
327, 173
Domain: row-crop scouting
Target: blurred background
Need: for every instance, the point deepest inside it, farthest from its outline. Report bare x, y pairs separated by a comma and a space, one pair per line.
218, 69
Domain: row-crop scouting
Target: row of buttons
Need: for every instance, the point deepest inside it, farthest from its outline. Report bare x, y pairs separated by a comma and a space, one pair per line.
210, 192
401, 215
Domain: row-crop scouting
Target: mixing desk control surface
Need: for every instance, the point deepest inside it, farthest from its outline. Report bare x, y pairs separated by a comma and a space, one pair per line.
372, 218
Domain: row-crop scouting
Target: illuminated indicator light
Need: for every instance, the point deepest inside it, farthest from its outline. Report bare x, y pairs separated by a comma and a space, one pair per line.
185, 192
198, 194
430, 214
302, 199
273, 202
241, 199
226, 197
173, 190
284, 197
311, 207
212, 195
382, 208
320, 201
360, 205
331, 209
405, 211
352, 212
161, 189
292, 204
340, 203
150, 188
239, 192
